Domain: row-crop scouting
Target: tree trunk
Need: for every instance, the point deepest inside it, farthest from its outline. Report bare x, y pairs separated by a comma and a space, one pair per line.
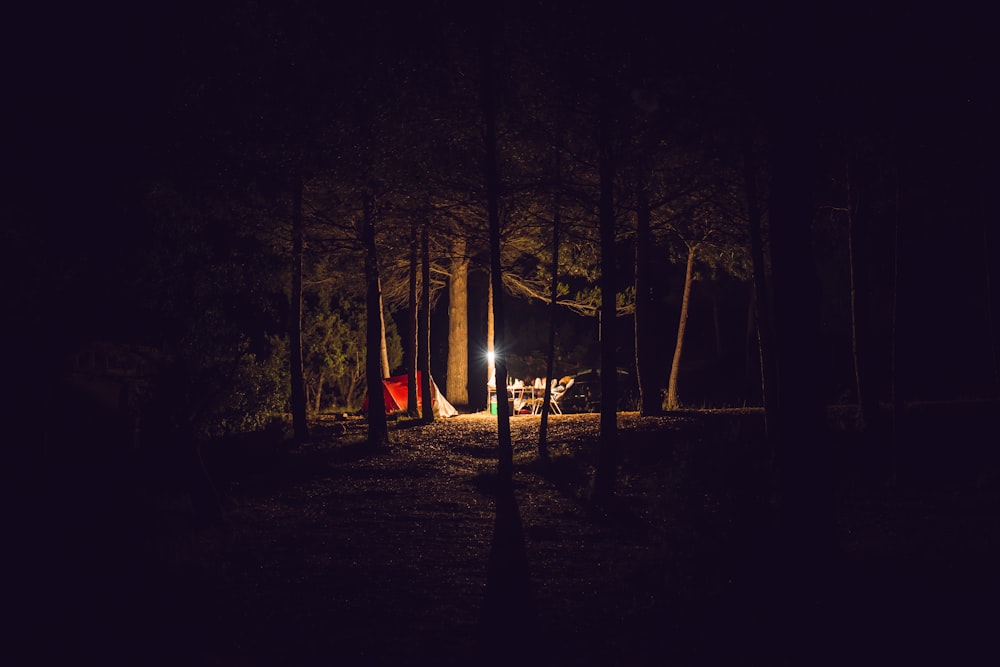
319, 393
383, 346
412, 409
646, 356
457, 380
424, 344
543, 427
672, 402
491, 364
751, 357
860, 331
806, 540
895, 390
505, 451
992, 337
761, 299
378, 427
300, 424
607, 453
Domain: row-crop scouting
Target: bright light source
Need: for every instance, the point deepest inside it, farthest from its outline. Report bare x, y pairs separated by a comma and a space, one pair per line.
491, 356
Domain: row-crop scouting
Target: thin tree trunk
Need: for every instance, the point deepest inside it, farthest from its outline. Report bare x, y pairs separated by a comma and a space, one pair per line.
993, 340
424, 344
672, 402
762, 302
859, 306
300, 424
606, 470
505, 450
509, 612
412, 409
646, 358
319, 393
383, 346
895, 390
491, 365
543, 428
751, 357
378, 427
457, 380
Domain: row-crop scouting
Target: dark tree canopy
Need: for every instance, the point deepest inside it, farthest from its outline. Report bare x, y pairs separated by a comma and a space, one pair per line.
155, 148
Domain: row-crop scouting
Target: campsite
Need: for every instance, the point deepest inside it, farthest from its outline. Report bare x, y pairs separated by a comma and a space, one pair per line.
327, 553
236, 234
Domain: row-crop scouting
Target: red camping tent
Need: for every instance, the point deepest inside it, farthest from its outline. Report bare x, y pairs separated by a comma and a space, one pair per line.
395, 393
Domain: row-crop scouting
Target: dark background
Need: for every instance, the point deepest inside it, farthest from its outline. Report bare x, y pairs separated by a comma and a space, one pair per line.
99, 108
105, 99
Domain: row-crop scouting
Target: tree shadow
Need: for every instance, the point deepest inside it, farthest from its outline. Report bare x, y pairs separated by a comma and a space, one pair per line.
262, 469
573, 480
474, 452
509, 619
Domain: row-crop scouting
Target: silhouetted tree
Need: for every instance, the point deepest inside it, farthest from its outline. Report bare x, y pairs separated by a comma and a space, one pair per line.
300, 424
505, 451
378, 427
861, 333
412, 409
543, 448
802, 447
646, 319
424, 342
606, 470
761, 294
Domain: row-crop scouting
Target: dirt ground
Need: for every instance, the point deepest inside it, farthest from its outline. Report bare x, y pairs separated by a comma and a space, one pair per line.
329, 554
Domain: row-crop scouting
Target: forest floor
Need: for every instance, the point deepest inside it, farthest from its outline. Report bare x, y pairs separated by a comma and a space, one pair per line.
330, 554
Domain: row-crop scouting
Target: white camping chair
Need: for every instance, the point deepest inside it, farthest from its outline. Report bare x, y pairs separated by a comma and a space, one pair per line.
557, 392
537, 395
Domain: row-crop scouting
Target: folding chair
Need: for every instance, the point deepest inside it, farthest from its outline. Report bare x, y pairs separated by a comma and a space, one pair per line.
557, 392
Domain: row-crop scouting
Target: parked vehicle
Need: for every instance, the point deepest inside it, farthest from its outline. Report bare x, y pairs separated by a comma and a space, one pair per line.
585, 395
